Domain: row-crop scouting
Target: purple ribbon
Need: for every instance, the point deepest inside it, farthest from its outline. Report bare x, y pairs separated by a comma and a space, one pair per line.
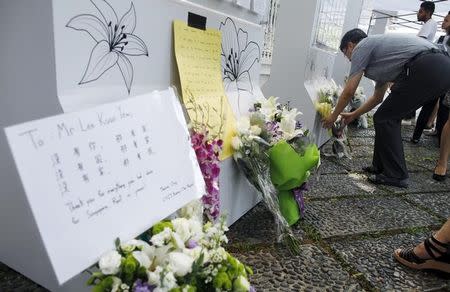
298, 195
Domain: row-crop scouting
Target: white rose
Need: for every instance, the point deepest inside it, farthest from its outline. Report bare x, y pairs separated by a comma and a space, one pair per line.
180, 263
236, 143
110, 262
142, 258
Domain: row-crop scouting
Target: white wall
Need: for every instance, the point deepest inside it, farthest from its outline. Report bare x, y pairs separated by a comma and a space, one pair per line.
27, 92
292, 41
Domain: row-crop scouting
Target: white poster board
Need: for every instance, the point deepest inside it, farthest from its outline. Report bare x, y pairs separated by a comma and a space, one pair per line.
95, 66
107, 172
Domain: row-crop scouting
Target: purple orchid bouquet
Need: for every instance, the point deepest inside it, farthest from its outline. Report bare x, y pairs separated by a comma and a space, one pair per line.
208, 150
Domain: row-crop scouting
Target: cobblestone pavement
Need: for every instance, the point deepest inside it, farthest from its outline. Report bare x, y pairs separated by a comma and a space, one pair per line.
349, 231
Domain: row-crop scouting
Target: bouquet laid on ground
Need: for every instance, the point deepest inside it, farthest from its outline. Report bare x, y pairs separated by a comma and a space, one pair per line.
181, 255
357, 100
276, 154
327, 97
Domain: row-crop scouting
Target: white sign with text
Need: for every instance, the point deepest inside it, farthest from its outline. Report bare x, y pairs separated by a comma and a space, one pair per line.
107, 172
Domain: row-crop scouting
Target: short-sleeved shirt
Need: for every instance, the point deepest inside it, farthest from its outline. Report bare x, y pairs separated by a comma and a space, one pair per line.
444, 43
428, 30
382, 57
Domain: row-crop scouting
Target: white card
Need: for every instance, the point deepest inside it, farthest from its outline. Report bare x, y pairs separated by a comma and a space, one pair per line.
107, 172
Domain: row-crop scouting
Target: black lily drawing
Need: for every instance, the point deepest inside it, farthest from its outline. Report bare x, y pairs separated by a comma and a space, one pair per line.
238, 56
115, 41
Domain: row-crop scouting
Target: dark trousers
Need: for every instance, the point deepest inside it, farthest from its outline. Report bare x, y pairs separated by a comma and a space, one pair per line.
425, 114
428, 77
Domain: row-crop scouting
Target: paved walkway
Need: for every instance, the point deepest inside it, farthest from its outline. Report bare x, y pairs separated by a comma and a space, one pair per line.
349, 231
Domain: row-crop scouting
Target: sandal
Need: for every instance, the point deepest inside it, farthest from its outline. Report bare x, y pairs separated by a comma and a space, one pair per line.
438, 177
440, 260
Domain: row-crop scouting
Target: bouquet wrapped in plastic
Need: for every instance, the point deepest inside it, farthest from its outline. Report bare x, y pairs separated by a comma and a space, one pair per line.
276, 154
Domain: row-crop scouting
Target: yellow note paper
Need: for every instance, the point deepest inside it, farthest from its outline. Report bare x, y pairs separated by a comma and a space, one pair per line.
198, 55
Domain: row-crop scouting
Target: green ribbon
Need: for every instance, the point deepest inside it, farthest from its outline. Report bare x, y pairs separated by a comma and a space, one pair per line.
289, 170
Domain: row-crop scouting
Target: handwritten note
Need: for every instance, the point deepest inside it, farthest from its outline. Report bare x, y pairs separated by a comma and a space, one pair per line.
198, 54
111, 171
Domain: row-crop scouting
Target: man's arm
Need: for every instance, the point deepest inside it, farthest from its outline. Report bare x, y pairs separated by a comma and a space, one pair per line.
347, 93
373, 101
344, 99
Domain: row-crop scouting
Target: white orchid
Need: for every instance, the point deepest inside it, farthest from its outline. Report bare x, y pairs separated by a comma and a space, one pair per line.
142, 258
115, 41
110, 262
269, 106
288, 124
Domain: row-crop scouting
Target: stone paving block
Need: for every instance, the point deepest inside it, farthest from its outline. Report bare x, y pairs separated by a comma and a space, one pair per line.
312, 270
10, 281
362, 133
361, 151
373, 258
439, 203
425, 162
360, 141
421, 182
255, 227
355, 216
355, 164
330, 165
338, 185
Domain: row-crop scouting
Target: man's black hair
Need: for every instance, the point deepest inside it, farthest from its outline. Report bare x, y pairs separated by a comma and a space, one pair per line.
352, 36
428, 6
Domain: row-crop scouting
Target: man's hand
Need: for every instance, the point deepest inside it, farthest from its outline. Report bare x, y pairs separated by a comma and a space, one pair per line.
328, 122
347, 118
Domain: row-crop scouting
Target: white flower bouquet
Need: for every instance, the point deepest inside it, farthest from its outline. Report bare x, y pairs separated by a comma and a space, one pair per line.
276, 155
181, 255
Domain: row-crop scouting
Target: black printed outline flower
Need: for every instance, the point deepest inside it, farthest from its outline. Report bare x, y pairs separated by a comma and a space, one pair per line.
115, 41
238, 56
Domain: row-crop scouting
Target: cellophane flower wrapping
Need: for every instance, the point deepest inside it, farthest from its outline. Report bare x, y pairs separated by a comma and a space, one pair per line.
267, 127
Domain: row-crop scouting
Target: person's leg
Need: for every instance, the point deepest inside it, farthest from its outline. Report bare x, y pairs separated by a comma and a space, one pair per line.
441, 167
441, 118
422, 120
432, 118
433, 253
410, 91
